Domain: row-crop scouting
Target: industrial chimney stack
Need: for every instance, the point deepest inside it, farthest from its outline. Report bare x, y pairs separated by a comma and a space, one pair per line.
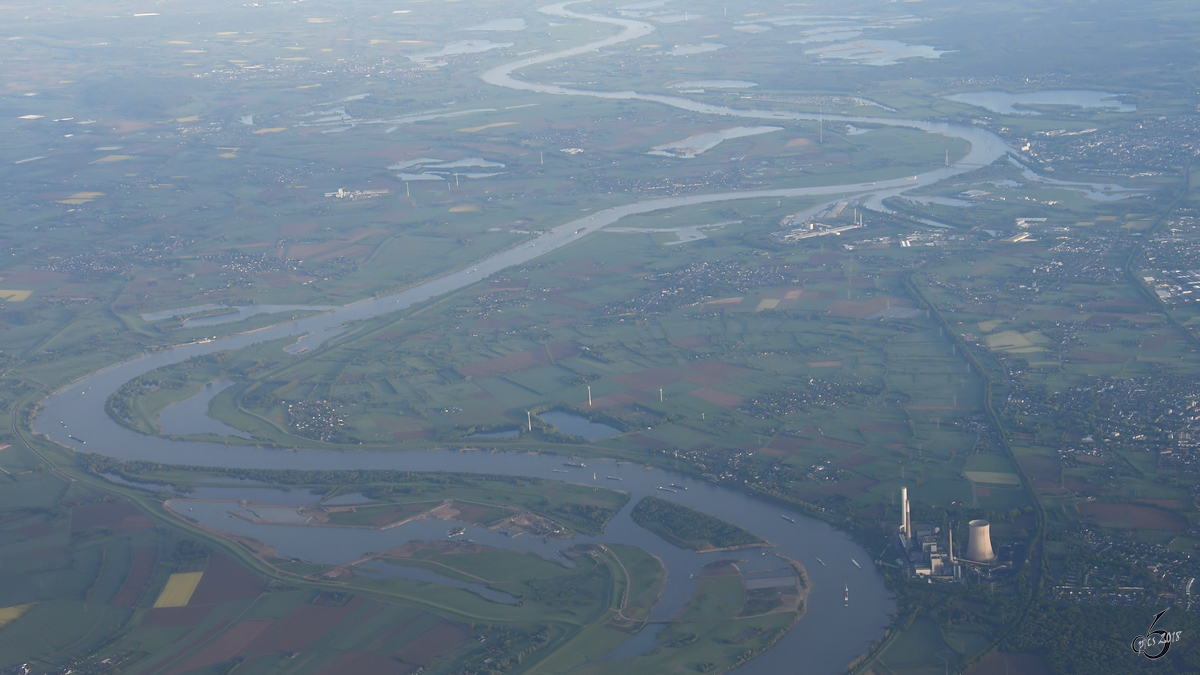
979, 546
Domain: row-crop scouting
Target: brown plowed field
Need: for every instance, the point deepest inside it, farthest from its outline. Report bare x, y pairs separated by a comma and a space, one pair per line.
622, 398
651, 379
648, 442
717, 397
1173, 504
225, 647
1132, 516
225, 580
36, 530
1045, 472
708, 373
856, 460
705, 374
367, 663
433, 643
120, 517
563, 349
555, 351
303, 626
166, 663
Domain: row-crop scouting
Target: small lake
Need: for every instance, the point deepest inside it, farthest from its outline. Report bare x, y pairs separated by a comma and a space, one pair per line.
875, 52
1003, 103
578, 425
700, 143
688, 50
190, 416
464, 47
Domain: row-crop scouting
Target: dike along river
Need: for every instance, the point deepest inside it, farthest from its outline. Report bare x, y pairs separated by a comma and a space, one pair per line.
826, 639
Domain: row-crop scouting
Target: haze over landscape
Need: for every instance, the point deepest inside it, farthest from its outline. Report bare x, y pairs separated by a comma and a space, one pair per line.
480, 336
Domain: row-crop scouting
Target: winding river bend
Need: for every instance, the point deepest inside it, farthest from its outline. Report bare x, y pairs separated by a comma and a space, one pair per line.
826, 639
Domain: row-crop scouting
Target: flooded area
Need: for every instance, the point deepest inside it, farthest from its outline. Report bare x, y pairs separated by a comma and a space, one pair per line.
436, 169
926, 200
713, 84
875, 52
683, 235
190, 416
463, 47
1004, 103
701, 143
688, 50
1100, 192
183, 311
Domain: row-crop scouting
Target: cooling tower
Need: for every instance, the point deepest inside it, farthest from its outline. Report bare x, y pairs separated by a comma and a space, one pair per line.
979, 545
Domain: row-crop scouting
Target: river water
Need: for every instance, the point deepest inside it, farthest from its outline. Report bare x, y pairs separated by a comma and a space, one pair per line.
190, 416
826, 639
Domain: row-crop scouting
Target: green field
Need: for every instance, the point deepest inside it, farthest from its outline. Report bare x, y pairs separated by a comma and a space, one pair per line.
689, 528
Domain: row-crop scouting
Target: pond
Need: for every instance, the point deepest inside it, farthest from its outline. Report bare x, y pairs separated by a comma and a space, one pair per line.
695, 145
573, 424
1002, 102
713, 84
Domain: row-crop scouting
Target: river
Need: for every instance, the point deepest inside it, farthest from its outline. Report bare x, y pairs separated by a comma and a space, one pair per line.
829, 636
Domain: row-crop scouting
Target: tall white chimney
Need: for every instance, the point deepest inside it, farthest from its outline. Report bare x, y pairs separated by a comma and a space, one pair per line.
908, 528
904, 510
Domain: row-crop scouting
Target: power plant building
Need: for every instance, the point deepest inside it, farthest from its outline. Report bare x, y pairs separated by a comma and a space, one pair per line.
922, 546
